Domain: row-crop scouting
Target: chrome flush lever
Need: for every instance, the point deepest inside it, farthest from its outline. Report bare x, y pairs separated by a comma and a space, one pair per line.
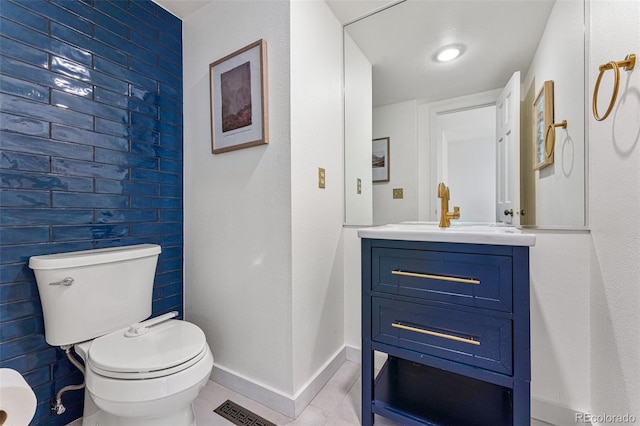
65, 282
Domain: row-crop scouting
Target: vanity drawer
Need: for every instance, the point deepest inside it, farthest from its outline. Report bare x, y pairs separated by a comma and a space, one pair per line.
475, 339
463, 278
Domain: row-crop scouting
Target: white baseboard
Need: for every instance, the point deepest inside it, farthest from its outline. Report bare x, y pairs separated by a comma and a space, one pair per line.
289, 405
315, 384
354, 354
555, 414
259, 392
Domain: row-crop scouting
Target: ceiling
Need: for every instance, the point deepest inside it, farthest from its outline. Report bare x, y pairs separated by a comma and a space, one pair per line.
345, 10
350, 10
182, 8
501, 37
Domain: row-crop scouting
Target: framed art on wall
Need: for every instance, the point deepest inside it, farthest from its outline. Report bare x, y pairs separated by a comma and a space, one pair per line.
380, 160
542, 119
238, 99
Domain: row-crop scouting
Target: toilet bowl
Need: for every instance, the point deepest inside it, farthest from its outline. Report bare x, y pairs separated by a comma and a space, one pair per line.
136, 373
147, 380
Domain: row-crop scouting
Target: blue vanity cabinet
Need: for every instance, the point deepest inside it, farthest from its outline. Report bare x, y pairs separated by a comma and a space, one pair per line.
453, 319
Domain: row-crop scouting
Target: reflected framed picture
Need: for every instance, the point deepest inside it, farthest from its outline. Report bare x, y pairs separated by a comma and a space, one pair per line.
542, 119
238, 99
380, 160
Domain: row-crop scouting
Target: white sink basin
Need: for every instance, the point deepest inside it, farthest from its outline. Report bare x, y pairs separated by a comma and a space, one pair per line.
471, 233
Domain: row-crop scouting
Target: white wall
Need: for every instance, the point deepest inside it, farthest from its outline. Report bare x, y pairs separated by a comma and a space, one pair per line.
560, 341
263, 249
352, 288
358, 128
399, 123
238, 204
561, 183
317, 214
614, 198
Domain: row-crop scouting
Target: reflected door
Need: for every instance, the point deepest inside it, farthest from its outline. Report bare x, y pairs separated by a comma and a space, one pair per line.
508, 153
466, 144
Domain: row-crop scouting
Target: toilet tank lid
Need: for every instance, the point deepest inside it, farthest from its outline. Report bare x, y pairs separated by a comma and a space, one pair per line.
92, 257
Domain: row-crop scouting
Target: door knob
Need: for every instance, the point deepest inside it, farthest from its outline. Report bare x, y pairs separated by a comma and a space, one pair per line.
508, 212
523, 212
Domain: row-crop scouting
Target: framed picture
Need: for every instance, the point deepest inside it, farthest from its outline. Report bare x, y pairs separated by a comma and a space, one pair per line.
380, 160
542, 119
238, 99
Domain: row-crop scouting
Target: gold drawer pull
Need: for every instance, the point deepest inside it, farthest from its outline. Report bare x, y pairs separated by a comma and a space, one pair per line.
437, 277
436, 334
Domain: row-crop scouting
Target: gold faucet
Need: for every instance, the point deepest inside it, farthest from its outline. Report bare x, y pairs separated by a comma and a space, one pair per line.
445, 214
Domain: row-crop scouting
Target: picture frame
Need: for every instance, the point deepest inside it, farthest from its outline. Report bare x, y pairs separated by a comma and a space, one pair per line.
238, 99
542, 119
380, 164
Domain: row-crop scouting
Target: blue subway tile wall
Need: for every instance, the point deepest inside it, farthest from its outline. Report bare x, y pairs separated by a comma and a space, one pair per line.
91, 157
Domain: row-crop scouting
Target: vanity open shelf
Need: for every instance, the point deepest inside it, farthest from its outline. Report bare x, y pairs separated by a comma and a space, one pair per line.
453, 318
403, 386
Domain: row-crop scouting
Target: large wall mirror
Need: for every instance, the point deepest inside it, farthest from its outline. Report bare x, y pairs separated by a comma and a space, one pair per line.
488, 123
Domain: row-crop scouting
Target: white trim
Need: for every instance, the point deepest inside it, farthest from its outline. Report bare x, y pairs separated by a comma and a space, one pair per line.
282, 402
553, 413
315, 384
259, 392
354, 354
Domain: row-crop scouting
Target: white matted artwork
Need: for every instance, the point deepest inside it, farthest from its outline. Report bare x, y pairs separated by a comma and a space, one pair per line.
238, 99
380, 160
542, 122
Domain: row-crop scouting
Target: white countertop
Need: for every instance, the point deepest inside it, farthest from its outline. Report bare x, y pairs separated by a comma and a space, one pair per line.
470, 233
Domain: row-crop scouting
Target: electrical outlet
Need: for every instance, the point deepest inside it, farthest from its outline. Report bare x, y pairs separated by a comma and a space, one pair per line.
398, 193
359, 186
321, 177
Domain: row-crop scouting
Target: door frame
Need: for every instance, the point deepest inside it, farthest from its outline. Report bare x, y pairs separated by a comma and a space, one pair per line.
428, 147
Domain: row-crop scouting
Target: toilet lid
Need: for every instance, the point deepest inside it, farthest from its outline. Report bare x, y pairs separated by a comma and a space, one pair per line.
166, 348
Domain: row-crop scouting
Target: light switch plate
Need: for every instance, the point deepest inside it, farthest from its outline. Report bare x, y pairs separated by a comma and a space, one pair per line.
321, 177
398, 193
359, 186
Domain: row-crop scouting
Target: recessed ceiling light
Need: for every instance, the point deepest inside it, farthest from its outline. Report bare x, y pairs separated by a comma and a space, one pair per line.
449, 52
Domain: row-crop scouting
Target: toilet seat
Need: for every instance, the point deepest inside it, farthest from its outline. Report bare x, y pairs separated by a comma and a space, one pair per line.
166, 349
157, 396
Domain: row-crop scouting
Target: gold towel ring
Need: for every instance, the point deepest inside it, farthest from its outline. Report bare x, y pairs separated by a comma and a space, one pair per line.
552, 127
628, 64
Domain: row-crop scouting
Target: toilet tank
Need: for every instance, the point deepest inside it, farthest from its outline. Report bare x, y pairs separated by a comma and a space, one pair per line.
86, 294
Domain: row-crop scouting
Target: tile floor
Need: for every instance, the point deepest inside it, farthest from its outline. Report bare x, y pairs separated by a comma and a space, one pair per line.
337, 404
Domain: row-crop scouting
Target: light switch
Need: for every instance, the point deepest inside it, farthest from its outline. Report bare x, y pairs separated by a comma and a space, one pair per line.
398, 193
359, 186
321, 177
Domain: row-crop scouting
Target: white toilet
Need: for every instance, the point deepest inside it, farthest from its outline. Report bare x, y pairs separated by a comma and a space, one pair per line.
136, 373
